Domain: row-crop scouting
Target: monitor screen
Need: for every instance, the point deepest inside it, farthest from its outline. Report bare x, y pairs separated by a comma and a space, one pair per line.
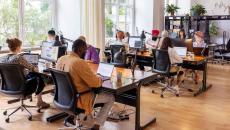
50, 53
31, 58
135, 42
181, 51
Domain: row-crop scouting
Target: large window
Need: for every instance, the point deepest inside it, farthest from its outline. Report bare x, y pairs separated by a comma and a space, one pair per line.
28, 20
119, 14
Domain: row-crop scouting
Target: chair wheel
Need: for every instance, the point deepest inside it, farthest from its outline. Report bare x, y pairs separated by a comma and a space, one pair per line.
7, 120
153, 91
5, 113
177, 95
39, 110
162, 96
30, 118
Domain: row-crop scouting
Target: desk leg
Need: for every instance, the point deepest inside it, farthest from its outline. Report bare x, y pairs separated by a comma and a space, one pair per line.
137, 118
204, 86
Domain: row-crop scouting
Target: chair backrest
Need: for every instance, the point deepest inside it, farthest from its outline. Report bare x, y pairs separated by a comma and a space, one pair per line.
98, 50
228, 45
13, 78
65, 93
114, 49
161, 62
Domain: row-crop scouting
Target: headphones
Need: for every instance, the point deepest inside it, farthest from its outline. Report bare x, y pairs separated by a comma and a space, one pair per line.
119, 31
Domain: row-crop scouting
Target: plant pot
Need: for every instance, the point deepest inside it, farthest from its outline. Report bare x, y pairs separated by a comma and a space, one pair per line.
194, 13
172, 13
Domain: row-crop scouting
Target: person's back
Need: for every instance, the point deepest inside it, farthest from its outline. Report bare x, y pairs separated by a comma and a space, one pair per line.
84, 79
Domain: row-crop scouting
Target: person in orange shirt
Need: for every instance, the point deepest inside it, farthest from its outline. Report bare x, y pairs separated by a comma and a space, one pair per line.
84, 79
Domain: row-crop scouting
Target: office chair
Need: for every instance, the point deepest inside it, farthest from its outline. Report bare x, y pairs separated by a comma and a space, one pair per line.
66, 96
13, 84
98, 50
118, 60
162, 66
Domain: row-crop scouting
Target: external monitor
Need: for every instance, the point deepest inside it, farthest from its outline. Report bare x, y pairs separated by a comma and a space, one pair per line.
135, 42
52, 53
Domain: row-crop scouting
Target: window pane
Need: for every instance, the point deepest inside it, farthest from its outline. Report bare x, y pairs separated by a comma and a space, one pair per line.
9, 25
38, 21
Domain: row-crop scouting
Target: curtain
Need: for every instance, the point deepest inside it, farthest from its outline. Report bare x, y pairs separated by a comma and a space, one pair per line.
92, 22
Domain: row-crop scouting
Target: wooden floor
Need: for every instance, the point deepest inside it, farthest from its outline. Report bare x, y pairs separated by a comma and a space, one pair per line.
209, 111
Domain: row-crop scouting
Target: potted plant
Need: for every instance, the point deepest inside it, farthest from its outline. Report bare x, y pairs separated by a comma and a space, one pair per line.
198, 10
171, 9
213, 29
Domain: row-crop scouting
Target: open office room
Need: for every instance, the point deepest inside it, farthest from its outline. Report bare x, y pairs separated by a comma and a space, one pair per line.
114, 64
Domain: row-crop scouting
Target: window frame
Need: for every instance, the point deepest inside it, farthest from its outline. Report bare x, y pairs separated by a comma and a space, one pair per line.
130, 6
21, 14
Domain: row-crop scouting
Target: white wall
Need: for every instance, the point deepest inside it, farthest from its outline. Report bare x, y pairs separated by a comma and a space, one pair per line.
184, 5
68, 18
149, 15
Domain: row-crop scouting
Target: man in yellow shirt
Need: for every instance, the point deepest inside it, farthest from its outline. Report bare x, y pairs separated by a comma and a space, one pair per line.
84, 79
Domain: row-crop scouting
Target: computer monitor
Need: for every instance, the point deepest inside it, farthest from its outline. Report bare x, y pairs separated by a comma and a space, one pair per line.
31, 58
181, 51
52, 53
135, 42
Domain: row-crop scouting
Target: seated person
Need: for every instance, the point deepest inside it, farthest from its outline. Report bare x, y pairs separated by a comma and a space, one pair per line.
15, 58
175, 59
182, 35
199, 39
91, 53
126, 39
57, 41
51, 37
120, 35
120, 57
84, 79
164, 34
152, 43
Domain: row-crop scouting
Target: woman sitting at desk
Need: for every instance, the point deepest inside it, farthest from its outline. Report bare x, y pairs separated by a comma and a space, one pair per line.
15, 58
182, 35
174, 59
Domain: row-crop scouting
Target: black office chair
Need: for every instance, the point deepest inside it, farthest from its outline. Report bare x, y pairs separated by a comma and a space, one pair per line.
13, 85
98, 50
66, 96
162, 66
118, 60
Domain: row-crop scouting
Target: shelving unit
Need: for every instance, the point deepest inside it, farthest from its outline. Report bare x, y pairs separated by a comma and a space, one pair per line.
193, 22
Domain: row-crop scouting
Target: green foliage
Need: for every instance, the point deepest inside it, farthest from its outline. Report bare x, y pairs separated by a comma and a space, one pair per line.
121, 11
109, 27
171, 8
213, 30
198, 9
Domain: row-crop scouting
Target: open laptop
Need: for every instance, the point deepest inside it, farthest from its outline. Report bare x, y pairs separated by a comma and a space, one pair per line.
105, 71
181, 51
31, 58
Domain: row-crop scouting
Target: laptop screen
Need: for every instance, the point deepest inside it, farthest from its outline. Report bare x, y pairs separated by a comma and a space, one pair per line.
105, 69
31, 58
181, 51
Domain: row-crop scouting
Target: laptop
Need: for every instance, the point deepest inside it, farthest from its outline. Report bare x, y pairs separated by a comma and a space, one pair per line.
105, 71
135, 42
181, 51
31, 58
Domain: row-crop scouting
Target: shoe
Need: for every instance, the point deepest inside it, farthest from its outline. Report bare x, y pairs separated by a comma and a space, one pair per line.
43, 105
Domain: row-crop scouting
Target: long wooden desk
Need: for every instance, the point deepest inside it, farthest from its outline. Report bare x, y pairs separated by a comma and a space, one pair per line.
198, 63
126, 91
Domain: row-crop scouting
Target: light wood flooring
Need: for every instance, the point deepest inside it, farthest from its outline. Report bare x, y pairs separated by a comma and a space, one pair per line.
208, 111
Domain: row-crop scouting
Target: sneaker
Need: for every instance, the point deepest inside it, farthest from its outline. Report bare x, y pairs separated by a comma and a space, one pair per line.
43, 105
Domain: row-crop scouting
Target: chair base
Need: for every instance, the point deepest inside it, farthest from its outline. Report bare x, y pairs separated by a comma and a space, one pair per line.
22, 107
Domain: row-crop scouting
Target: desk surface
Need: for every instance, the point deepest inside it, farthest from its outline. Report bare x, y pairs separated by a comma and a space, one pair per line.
126, 82
148, 54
